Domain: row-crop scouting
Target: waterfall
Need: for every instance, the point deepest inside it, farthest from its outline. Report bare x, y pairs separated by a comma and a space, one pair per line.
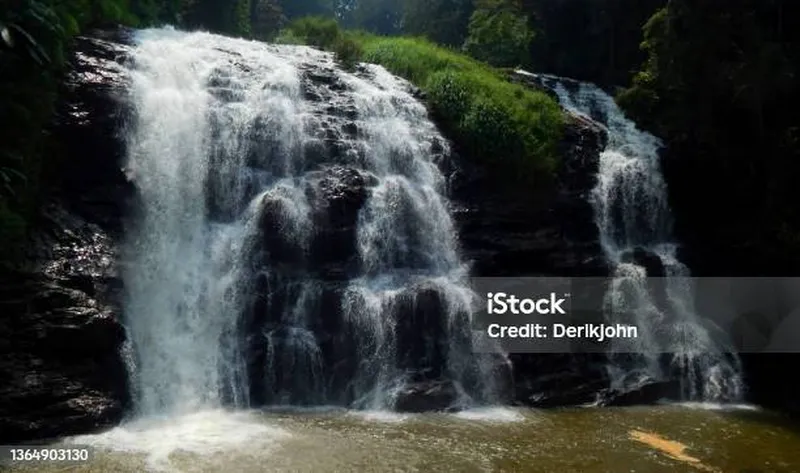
635, 228
291, 242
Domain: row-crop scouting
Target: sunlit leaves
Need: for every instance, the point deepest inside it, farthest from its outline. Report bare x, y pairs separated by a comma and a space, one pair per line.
499, 33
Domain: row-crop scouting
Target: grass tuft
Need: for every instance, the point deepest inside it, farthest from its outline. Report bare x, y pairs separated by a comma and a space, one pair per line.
511, 127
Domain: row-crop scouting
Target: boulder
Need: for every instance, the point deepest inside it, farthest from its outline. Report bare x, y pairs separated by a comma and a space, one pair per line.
649, 392
92, 109
337, 194
558, 379
427, 396
647, 259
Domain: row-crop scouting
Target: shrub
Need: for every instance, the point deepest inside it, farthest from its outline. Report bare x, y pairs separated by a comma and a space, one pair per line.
314, 31
448, 95
496, 121
491, 132
499, 34
348, 51
515, 128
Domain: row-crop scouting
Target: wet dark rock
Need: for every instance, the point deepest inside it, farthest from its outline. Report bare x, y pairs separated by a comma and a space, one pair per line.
417, 93
547, 231
646, 393
647, 259
535, 82
422, 337
61, 368
437, 395
321, 76
337, 195
533, 232
282, 242
317, 78
60, 336
312, 95
558, 379
350, 129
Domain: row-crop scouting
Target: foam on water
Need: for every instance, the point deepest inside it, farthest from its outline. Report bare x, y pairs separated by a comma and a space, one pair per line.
491, 414
380, 416
712, 406
200, 434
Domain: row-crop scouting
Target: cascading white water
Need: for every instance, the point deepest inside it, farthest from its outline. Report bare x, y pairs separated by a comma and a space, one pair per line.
220, 139
633, 215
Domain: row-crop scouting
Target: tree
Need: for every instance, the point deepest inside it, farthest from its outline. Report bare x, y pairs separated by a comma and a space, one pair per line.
717, 86
441, 21
499, 33
297, 8
592, 40
378, 16
267, 18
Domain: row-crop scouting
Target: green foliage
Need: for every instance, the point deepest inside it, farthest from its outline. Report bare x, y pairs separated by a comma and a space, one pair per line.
376, 16
496, 121
441, 21
316, 31
267, 19
348, 51
592, 40
491, 131
294, 9
511, 126
717, 85
449, 95
499, 33
242, 14
34, 38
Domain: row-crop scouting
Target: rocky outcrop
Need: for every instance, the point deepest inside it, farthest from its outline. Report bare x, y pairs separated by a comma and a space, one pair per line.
61, 366
64, 364
60, 361
437, 395
88, 175
541, 232
526, 232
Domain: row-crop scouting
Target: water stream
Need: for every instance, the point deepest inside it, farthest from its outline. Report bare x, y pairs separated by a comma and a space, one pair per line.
633, 217
288, 213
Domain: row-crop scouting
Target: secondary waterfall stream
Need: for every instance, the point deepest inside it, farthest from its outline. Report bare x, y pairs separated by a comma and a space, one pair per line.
291, 242
633, 219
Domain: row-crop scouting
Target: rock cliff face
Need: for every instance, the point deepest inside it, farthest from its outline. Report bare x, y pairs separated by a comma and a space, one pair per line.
509, 231
62, 341
60, 360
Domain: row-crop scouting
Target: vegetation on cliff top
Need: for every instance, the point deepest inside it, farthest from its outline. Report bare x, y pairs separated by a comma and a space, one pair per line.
510, 126
716, 84
495, 119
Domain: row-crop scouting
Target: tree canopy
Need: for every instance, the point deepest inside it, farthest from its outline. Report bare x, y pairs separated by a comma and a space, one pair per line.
499, 33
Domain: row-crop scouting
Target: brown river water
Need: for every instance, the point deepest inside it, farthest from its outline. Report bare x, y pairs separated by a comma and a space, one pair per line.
676, 438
